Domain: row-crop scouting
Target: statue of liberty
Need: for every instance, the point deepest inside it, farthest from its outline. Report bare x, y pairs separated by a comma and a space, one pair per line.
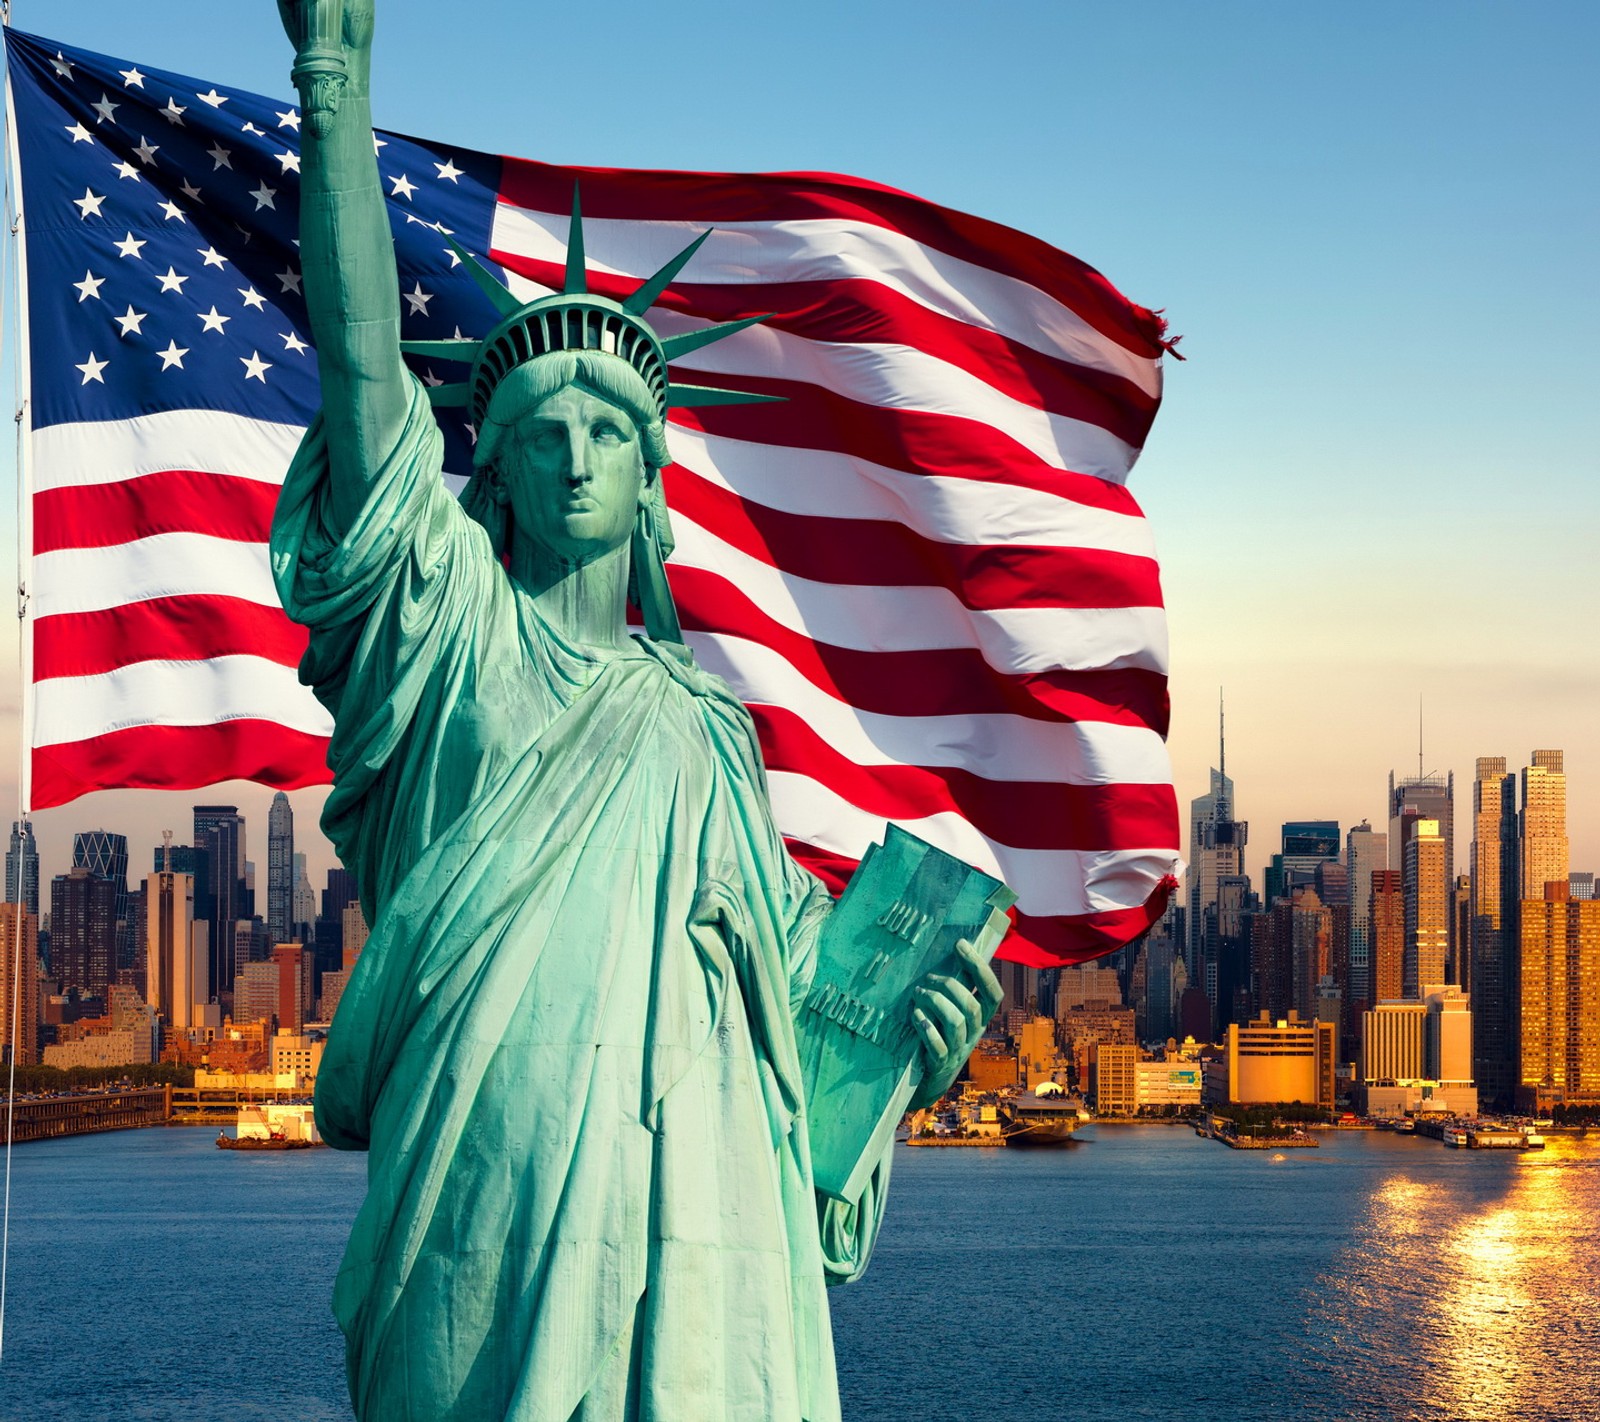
570, 1044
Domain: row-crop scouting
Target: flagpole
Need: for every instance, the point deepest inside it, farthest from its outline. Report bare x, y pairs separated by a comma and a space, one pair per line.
14, 272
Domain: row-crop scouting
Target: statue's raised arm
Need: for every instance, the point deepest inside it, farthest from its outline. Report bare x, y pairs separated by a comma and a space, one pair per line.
347, 251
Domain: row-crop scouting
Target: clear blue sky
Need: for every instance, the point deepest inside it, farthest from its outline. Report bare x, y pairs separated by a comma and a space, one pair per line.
1376, 225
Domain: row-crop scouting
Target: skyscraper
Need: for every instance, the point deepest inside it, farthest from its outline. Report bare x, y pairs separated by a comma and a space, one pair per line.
305, 901
19, 985
1388, 936
83, 931
1205, 813
1427, 907
22, 867
1365, 849
219, 830
1558, 1055
106, 854
280, 869
178, 965
1496, 877
1425, 797
1543, 824
1306, 845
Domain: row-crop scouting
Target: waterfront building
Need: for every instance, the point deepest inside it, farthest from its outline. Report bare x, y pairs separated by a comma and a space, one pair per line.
1496, 881
1394, 1043
1426, 888
219, 830
83, 931
1082, 1029
1170, 1082
19, 985
1115, 1082
1448, 1037
299, 1053
178, 948
1267, 1062
280, 869
22, 867
1559, 970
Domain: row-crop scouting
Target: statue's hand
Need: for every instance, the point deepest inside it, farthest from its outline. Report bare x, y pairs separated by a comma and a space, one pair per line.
950, 1015
350, 20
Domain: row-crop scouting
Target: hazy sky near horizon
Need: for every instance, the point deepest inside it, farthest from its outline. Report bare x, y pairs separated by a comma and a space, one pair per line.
1374, 481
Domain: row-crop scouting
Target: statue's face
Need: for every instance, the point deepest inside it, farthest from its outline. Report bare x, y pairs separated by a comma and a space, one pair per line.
574, 475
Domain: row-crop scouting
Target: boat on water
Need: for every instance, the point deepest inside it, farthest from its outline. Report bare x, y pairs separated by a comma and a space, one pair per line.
1456, 1136
273, 1125
1045, 1116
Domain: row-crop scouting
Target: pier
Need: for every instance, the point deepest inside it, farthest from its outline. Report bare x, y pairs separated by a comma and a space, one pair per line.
47, 1117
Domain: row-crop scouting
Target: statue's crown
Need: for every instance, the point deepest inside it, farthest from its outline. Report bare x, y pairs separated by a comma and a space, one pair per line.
576, 320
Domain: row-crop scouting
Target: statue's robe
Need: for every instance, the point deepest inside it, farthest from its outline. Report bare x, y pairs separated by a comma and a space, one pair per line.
568, 1045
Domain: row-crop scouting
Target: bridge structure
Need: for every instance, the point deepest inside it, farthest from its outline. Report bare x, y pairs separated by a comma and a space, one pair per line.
46, 1117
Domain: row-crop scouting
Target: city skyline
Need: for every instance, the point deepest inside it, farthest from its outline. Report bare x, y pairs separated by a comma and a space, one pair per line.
1375, 272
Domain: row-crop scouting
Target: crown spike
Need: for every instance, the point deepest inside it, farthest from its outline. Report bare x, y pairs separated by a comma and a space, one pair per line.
503, 301
645, 297
577, 282
681, 396
675, 346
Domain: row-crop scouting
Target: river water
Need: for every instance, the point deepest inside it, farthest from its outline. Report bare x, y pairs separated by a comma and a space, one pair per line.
1140, 1273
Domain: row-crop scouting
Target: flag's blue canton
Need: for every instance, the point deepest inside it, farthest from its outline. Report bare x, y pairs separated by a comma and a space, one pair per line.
161, 214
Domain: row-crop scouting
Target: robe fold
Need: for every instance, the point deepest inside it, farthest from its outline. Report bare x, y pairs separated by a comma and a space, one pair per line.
569, 1043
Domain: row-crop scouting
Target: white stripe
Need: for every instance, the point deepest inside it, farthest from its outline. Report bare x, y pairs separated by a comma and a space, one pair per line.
995, 746
830, 249
164, 565
821, 484
1046, 881
893, 377
160, 693
211, 441
901, 619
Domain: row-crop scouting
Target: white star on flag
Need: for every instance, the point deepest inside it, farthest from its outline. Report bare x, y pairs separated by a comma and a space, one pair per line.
448, 169
173, 355
172, 281
89, 203
172, 210
403, 187
62, 65
80, 134
107, 110
221, 157
255, 368
89, 286
293, 342
131, 246
174, 112
131, 77
264, 195
129, 321
289, 120
213, 320
91, 369
146, 150
418, 300
254, 298
211, 257
189, 190
289, 280
290, 162
213, 98
126, 169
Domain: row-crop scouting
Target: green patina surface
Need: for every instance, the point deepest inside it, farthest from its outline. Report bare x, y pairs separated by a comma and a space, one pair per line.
570, 1046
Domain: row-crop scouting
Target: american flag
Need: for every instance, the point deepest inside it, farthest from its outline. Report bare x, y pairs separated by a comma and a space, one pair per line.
923, 572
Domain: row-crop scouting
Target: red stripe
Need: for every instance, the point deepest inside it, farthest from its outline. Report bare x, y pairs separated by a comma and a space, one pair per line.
179, 758
860, 311
710, 198
1039, 941
1021, 814
947, 681
876, 553
184, 629
172, 501
912, 441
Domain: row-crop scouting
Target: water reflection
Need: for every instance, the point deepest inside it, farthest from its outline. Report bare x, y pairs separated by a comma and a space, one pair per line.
1470, 1290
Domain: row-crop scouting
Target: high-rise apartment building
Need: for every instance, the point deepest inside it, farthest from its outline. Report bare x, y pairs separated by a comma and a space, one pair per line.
1559, 1040
280, 869
1543, 824
19, 985
83, 931
1495, 891
1393, 1043
294, 963
1424, 797
1311, 945
1427, 907
305, 902
1388, 914
220, 831
22, 867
